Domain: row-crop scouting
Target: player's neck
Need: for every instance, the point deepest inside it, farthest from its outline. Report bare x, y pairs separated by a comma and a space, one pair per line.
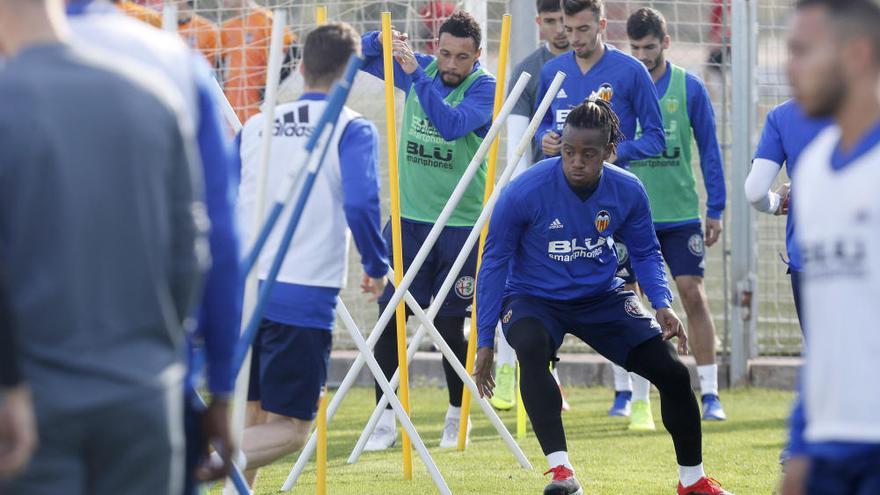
556, 51
324, 90
659, 71
37, 26
859, 113
585, 64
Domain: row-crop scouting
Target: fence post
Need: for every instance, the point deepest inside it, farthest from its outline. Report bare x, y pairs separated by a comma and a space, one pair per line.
744, 246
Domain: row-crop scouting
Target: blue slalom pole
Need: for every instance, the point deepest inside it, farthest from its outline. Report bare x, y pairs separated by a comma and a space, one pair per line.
339, 95
335, 102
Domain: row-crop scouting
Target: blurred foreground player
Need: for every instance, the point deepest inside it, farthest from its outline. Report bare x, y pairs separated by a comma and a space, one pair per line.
103, 235
99, 23
834, 68
545, 282
291, 352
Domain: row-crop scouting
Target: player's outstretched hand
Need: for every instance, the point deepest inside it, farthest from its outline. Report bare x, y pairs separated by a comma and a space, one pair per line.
551, 143
714, 227
672, 327
404, 56
18, 432
215, 432
483, 371
395, 36
784, 193
374, 286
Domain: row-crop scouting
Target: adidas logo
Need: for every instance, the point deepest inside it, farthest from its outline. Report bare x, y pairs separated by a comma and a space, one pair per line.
561, 93
556, 224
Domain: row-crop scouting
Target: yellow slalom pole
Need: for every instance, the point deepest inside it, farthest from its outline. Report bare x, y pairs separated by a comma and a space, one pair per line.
520, 410
391, 122
490, 184
321, 458
321, 15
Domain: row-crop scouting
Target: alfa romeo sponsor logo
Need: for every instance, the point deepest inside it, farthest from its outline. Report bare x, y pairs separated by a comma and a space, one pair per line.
464, 287
695, 245
634, 308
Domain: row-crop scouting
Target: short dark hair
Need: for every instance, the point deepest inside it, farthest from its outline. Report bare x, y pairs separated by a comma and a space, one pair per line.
596, 113
548, 6
857, 17
462, 25
646, 22
573, 7
326, 52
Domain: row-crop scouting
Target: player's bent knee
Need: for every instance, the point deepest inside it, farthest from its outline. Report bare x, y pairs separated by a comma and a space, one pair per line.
690, 288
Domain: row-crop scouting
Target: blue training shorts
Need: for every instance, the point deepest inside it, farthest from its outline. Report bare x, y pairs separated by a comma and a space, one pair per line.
613, 323
289, 368
436, 267
854, 476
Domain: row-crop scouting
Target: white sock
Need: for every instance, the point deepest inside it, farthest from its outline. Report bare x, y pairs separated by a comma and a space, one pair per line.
708, 378
506, 354
388, 419
453, 412
689, 475
559, 458
622, 382
641, 388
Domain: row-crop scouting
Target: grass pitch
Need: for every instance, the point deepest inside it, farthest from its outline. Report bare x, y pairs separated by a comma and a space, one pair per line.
742, 452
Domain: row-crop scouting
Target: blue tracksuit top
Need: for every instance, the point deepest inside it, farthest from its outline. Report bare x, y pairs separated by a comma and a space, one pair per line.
786, 133
545, 242
634, 100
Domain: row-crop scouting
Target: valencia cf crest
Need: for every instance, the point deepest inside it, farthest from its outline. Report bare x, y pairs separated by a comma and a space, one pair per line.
672, 104
606, 92
603, 219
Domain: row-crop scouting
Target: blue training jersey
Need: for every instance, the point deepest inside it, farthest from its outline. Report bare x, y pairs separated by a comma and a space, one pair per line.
545, 242
634, 99
787, 132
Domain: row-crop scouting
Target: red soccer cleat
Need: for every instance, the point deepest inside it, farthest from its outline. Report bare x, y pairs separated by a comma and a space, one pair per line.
564, 482
706, 486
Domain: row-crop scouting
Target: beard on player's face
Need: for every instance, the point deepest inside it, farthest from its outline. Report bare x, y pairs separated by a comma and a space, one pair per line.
450, 78
826, 99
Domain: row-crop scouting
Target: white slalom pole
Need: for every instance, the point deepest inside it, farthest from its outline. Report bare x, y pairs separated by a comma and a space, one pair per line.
428, 323
404, 419
408, 278
228, 111
169, 17
473, 237
273, 75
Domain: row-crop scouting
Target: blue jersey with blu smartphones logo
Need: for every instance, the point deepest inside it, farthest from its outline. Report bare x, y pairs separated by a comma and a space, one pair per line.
634, 99
544, 241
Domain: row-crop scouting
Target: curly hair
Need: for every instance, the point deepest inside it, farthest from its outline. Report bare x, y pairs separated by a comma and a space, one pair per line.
462, 25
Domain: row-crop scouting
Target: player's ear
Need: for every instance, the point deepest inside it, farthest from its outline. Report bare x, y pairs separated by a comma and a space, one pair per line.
479, 52
538, 19
603, 23
609, 152
666, 42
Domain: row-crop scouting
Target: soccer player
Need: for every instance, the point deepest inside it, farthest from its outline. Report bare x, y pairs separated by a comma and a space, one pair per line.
834, 69
18, 434
549, 20
669, 179
98, 22
594, 65
291, 352
104, 244
545, 282
787, 132
447, 114
245, 50
198, 32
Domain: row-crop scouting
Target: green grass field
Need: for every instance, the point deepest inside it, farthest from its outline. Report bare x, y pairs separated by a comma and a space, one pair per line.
742, 452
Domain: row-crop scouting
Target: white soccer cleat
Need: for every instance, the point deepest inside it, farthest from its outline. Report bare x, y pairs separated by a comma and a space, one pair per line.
449, 437
383, 437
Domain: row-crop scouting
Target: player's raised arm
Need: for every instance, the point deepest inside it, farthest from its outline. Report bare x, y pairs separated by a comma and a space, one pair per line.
371, 48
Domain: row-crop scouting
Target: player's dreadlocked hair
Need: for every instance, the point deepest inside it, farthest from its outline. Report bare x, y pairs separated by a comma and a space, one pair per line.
596, 113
